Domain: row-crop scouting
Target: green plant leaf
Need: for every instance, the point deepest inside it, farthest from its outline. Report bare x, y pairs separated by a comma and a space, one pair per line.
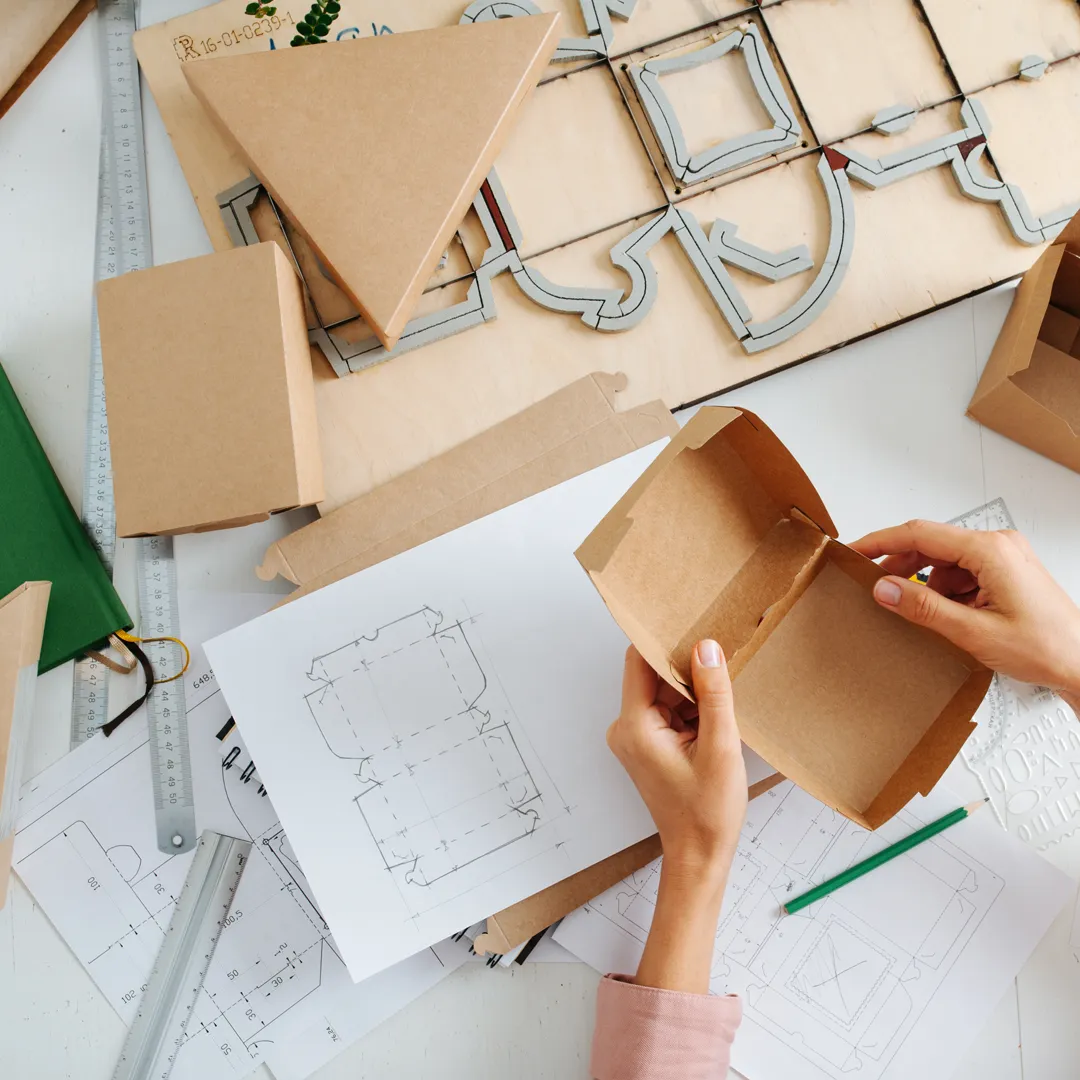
313, 40
271, 11
333, 6
251, 9
303, 27
298, 40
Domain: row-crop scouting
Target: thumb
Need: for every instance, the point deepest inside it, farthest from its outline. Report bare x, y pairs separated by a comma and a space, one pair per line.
923, 606
717, 730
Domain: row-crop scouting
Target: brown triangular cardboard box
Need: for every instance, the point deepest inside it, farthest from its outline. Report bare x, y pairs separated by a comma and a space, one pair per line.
375, 146
22, 622
1030, 387
724, 536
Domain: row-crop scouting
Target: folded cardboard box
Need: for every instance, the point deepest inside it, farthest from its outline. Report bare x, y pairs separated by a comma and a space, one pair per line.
210, 394
1030, 388
575, 429
22, 624
724, 536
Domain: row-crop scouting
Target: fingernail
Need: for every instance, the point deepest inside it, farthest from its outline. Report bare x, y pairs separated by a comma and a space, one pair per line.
709, 653
887, 592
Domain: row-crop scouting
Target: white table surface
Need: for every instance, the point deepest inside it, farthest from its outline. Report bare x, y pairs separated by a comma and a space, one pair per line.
879, 426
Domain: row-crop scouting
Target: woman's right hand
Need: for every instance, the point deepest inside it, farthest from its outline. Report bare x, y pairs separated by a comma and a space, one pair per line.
987, 593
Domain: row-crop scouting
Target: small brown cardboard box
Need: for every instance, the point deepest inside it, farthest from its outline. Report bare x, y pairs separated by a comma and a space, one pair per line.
209, 390
724, 536
1030, 388
22, 623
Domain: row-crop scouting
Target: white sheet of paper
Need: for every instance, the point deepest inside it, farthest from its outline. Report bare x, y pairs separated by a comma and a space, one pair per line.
888, 978
86, 849
432, 728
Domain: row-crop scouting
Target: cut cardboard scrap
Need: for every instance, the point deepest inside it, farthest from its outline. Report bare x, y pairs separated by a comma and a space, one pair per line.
572, 431
1030, 387
426, 114
724, 536
210, 395
22, 625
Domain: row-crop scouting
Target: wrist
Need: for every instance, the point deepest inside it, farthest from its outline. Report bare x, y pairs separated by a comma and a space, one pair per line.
698, 878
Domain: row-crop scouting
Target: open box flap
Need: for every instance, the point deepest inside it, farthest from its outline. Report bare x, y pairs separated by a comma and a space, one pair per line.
1012, 351
737, 517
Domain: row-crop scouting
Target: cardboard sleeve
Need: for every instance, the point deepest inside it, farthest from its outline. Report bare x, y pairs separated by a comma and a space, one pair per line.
724, 536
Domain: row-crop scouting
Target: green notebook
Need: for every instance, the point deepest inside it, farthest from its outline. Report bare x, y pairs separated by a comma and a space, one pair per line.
42, 539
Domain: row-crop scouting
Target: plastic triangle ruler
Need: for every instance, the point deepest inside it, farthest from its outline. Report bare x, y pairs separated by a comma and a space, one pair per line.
161, 1023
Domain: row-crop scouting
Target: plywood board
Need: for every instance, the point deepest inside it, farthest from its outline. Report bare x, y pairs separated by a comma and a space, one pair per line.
985, 40
575, 162
388, 198
713, 102
914, 244
377, 424
848, 59
1034, 124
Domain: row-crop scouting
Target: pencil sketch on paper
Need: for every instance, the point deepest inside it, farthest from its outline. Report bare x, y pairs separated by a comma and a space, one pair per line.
841, 983
92, 864
441, 777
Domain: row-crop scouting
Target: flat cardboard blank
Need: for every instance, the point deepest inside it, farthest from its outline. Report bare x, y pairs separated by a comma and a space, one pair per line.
380, 178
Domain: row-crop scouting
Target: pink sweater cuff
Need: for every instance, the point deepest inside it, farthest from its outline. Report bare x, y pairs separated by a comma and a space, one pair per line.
647, 1034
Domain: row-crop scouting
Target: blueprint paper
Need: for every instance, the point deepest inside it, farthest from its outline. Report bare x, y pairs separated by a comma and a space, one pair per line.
86, 849
432, 728
888, 978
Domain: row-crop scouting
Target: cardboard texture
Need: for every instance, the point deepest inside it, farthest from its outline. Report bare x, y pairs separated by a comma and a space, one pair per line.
918, 243
22, 624
34, 31
1030, 387
569, 433
426, 114
574, 430
208, 384
724, 536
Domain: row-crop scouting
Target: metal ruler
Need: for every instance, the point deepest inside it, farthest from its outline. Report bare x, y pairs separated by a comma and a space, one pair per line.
200, 915
122, 244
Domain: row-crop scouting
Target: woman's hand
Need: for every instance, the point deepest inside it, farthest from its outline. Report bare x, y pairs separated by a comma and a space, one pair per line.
686, 761
987, 593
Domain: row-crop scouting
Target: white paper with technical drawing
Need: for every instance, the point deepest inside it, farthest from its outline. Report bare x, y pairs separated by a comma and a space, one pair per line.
432, 728
887, 978
87, 851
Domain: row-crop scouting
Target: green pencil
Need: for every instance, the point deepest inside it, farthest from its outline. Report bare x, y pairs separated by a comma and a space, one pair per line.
854, 872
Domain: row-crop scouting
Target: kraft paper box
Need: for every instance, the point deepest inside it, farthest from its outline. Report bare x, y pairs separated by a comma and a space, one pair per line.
575, 429
1030, 388
22, 623
209, 392
724, 536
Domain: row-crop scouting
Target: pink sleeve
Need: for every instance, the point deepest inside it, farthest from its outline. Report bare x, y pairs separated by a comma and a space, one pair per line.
647, 1034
